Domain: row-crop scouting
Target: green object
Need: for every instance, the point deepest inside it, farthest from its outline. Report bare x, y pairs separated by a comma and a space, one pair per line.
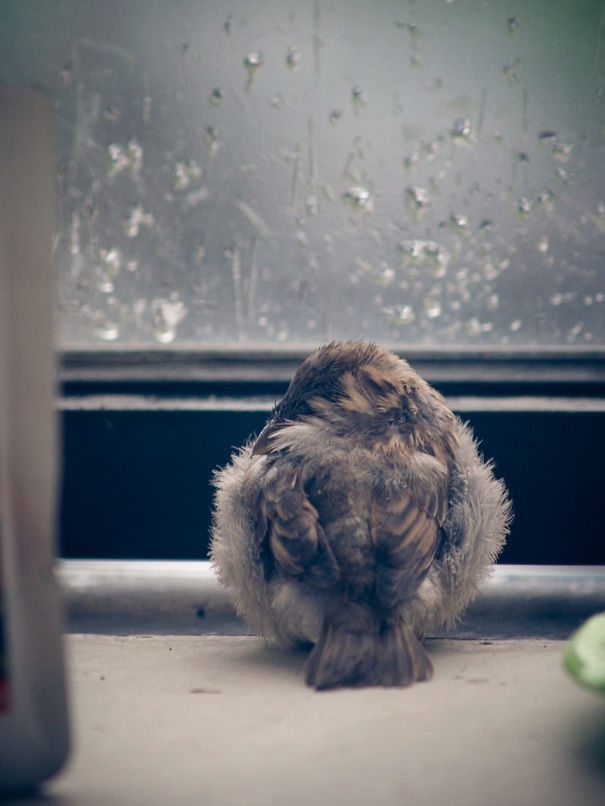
584, 656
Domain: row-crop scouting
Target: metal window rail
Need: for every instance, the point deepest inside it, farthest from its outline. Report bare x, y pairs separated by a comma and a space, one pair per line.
139, 597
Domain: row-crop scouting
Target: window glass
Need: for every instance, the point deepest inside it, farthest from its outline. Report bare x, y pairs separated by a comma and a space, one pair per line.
279, 172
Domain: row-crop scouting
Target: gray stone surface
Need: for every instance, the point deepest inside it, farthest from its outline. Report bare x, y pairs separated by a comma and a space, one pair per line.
226, 720
172, 702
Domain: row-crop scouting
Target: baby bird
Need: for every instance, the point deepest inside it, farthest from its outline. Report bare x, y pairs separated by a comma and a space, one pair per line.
361, 519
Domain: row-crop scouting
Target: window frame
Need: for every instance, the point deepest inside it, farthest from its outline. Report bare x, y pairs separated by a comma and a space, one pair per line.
143, 431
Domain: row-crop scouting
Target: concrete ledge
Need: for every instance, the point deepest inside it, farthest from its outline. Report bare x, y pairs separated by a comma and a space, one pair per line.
185, 598
224, 720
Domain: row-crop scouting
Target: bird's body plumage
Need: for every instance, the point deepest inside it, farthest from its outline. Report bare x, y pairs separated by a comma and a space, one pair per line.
344, 505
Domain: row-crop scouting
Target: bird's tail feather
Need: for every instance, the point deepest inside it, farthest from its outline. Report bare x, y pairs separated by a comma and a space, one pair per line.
390, 656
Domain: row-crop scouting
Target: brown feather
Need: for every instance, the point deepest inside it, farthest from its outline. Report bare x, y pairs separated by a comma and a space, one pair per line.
296, 539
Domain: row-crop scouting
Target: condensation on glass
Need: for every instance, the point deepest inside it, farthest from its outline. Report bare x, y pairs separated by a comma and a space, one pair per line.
280, 172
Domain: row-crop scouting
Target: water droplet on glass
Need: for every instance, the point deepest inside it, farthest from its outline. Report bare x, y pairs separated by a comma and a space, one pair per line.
430, 150
473, 327
358, 95
459, 221
217, 96
524, 205
194, 197
411, 160
575, 331
335, 115
516, 325
462, 127
167, 315
253, 62
413, 30
112, 258
418, 196
509, 71
562, 151
121, 158
293, 58
134, 150
118, 160
413, 248
562, 298
184, 173
440, 256
107, 330
111, 114
427, 251
492, 302
105, 283
400, 315
512, 23
312, 205
545, 197
301, 237
212, 140
547, 136
488, 270
483, 327
360, 198
542, 243
384, 274
138, 218
563, 175
65, 74
432, 307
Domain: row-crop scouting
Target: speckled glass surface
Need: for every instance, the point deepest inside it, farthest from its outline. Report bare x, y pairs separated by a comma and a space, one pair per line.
274, 173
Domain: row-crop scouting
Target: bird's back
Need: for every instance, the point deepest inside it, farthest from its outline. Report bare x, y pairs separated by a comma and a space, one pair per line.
363, 515
359, 517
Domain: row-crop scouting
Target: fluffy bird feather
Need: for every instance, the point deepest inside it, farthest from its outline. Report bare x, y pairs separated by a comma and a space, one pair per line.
360, 519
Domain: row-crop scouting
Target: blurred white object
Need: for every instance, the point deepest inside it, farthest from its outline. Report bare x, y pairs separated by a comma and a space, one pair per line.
33, 714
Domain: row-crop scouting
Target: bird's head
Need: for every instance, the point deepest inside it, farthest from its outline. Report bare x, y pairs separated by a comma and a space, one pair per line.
352, 381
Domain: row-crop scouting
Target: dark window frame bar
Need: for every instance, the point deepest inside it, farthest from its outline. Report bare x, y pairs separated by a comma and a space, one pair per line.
182, 371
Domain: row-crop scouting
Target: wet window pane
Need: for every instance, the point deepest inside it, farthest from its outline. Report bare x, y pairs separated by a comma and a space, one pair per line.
279, 172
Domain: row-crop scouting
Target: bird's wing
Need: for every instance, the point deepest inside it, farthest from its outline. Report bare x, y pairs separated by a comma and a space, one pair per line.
405, 522
292, 532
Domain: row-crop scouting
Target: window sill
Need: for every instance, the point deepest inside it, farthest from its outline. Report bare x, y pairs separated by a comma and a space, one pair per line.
185, 598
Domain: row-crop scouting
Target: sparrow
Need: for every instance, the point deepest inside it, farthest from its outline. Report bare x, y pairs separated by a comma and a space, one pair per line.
361, 519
